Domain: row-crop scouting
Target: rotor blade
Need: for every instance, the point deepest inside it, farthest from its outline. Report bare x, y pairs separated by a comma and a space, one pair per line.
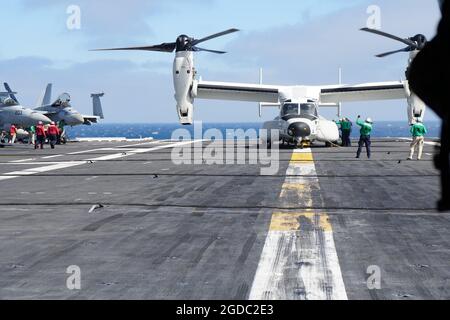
197, 49
164, 47
217, 35
382, 55
390, 36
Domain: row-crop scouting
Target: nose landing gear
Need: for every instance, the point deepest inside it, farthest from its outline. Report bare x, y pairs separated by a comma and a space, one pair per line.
297, 143
304, 144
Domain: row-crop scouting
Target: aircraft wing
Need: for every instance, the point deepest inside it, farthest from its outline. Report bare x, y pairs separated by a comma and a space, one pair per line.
236, 91
365, 92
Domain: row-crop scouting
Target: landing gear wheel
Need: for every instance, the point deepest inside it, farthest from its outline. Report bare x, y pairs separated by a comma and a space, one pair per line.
305, 144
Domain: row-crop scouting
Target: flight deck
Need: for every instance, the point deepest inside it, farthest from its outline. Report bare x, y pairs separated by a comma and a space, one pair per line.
138, 226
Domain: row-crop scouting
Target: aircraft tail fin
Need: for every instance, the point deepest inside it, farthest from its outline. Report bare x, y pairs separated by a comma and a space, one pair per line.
10, 92
46, 96
97, 105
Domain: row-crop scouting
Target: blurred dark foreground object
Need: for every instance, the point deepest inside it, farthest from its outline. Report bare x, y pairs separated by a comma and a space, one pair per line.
429, 78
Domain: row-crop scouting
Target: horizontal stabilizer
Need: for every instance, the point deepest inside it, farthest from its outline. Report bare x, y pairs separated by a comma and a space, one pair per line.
6, 94
89, 120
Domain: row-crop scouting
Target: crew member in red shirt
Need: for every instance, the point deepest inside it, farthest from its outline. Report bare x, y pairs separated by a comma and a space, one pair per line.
53, 133
40, 135
12, 134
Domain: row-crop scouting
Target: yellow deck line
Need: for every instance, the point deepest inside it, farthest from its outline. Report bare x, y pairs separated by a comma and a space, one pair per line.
292, 221
302, 157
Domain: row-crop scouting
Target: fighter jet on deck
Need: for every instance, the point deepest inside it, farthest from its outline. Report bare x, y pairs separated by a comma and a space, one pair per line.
61, 110
11, 112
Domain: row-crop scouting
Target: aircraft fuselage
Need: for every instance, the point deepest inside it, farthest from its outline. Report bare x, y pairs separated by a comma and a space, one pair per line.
299, 122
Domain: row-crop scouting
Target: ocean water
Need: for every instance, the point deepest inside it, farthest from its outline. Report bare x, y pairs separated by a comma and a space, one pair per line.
165, 131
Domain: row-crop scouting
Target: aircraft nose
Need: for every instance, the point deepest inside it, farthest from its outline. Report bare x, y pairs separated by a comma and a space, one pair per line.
75, 119
79, 118
299, 130
37, 117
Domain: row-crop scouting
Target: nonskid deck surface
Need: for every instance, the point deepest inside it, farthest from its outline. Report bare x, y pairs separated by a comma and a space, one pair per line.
202, 231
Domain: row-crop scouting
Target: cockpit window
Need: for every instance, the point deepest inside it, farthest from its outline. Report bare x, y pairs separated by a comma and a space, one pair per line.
304, 109
7, 101
308, 109
63, 101
290, 109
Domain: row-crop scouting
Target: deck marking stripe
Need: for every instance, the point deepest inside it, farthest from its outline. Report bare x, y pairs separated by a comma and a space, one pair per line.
23, 160
83, 152
64, 165
430, 143
299, 260
302, 157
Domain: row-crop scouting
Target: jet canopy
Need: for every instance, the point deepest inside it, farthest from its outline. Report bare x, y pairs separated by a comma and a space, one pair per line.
62, 101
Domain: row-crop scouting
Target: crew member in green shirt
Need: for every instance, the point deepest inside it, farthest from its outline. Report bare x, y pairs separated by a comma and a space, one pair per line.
366, 131
418, 131
61, 138
346, 129
32, 135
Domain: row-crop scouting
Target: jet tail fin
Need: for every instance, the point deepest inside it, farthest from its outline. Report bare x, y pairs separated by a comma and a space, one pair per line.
97, 105
10, 92
46, 96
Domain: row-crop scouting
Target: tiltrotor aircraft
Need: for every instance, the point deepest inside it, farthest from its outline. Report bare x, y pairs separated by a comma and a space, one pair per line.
62, 111
299, 119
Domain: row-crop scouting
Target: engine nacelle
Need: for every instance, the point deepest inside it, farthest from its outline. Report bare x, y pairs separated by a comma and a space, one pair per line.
327, 131
183, 79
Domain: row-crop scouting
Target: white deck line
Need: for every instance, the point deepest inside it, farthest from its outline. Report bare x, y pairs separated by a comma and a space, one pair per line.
300, 264
23, 160
64, 165
426, 142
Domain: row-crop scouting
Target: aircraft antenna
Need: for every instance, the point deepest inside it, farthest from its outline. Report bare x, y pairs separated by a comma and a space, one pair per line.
340, 103
261, 74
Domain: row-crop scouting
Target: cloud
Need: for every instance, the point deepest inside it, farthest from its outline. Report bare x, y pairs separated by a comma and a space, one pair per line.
310, 51
103, 18
113, 21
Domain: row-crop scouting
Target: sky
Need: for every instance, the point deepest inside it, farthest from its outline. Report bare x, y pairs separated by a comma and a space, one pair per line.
296, 42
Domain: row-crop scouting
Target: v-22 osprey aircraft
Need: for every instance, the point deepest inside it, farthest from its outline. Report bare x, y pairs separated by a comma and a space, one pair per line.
299, 119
